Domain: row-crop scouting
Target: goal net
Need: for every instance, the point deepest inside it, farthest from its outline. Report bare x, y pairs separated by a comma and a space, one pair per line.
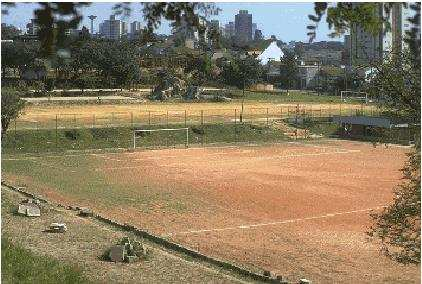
354, 96
168, 137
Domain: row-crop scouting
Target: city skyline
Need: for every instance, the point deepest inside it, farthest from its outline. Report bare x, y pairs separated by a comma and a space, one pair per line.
292, 27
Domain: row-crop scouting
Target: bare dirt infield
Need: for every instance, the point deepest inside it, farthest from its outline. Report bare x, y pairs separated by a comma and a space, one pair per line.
300, 209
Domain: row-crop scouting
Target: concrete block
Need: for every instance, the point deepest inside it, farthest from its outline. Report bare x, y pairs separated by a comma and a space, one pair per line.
33, 211
29, 209
117, 253
85, 212
58, 227
131, 258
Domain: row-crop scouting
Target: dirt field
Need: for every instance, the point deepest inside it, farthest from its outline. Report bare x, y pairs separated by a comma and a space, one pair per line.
161, 113
300, 209
85, 241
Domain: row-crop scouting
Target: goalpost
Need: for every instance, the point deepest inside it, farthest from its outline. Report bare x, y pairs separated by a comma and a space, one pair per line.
137, 132
361, 96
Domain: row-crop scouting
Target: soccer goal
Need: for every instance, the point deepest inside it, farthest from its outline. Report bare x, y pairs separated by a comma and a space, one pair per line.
181, 134
352, 95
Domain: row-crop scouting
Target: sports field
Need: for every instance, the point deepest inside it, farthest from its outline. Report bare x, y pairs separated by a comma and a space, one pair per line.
301, 209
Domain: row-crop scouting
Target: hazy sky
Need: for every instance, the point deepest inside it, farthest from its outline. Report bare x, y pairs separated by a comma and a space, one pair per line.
287, 21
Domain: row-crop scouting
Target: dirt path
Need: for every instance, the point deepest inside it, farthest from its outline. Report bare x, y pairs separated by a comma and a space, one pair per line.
87, 239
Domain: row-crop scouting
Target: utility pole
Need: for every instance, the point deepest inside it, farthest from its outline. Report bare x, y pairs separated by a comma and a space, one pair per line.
92, 18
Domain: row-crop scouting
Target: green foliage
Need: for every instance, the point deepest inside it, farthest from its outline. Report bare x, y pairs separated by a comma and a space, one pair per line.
19, 54
398, 226
9, 32
289, 71
397, 85
342, 16
11, 107
242, 73
22, 266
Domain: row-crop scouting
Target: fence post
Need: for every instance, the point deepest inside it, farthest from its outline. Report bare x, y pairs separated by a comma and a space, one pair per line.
131, 119
185, 119
93, 120
74, 120
235, 125
57, 139
167, 118
15, 136
202, 127
281, 113
149, 117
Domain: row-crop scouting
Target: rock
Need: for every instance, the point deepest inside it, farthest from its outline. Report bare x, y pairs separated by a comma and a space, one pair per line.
304, 281
85, 212
117, 253
58, 227
29, 209
131, 258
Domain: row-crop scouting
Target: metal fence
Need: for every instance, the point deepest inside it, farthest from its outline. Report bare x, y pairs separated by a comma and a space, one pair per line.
185, 117
62, 132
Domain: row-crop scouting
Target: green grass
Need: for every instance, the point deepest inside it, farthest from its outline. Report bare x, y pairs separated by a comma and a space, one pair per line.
48, 140
282, 97
22, 266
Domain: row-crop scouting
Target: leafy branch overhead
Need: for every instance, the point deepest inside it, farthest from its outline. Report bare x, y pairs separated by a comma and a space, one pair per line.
344, 15
54, 18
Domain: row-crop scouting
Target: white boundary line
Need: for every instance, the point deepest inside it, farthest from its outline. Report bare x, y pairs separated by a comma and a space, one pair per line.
251, 226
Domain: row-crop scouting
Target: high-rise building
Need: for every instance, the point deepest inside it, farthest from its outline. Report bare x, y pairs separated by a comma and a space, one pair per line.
243, 26
254, 28
258, 35
229, 30
32, 28
135, 27
112, 28
366, 48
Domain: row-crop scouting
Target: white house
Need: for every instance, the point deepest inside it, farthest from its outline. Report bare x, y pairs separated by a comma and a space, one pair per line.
271, 53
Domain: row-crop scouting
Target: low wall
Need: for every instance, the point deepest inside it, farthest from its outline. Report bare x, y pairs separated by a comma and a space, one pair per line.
163, 242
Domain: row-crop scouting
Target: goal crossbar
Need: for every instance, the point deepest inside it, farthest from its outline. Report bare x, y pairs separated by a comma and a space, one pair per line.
360, 95
161, 129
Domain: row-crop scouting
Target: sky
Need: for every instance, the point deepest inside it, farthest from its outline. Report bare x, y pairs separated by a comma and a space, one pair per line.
287, 21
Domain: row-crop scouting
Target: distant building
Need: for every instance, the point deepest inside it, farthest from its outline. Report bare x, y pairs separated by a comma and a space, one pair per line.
254, 28
243, 26
229, 30
135, 28
271, 53
112, 28
258, 35
307, 74
367, 48
324, 56
32, 28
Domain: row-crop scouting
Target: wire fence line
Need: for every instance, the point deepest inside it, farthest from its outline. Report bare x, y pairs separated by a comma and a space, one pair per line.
186, 117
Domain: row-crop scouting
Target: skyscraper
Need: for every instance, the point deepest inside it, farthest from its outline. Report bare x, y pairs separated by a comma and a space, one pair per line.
254, 28
243, 26
367, 48
32, 28
229, 30
135, 27
112, 28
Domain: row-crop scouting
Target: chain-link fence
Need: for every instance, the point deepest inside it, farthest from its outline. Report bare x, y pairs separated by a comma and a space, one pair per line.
60, 132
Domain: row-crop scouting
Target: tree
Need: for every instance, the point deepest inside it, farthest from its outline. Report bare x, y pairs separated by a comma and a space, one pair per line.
289, 71
54, 18
11, 107
18, 54
242, 73
397, 84
9, 32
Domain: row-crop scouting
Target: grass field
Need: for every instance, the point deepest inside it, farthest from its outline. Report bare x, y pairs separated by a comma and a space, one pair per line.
48, 140
20, 265
299, 208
